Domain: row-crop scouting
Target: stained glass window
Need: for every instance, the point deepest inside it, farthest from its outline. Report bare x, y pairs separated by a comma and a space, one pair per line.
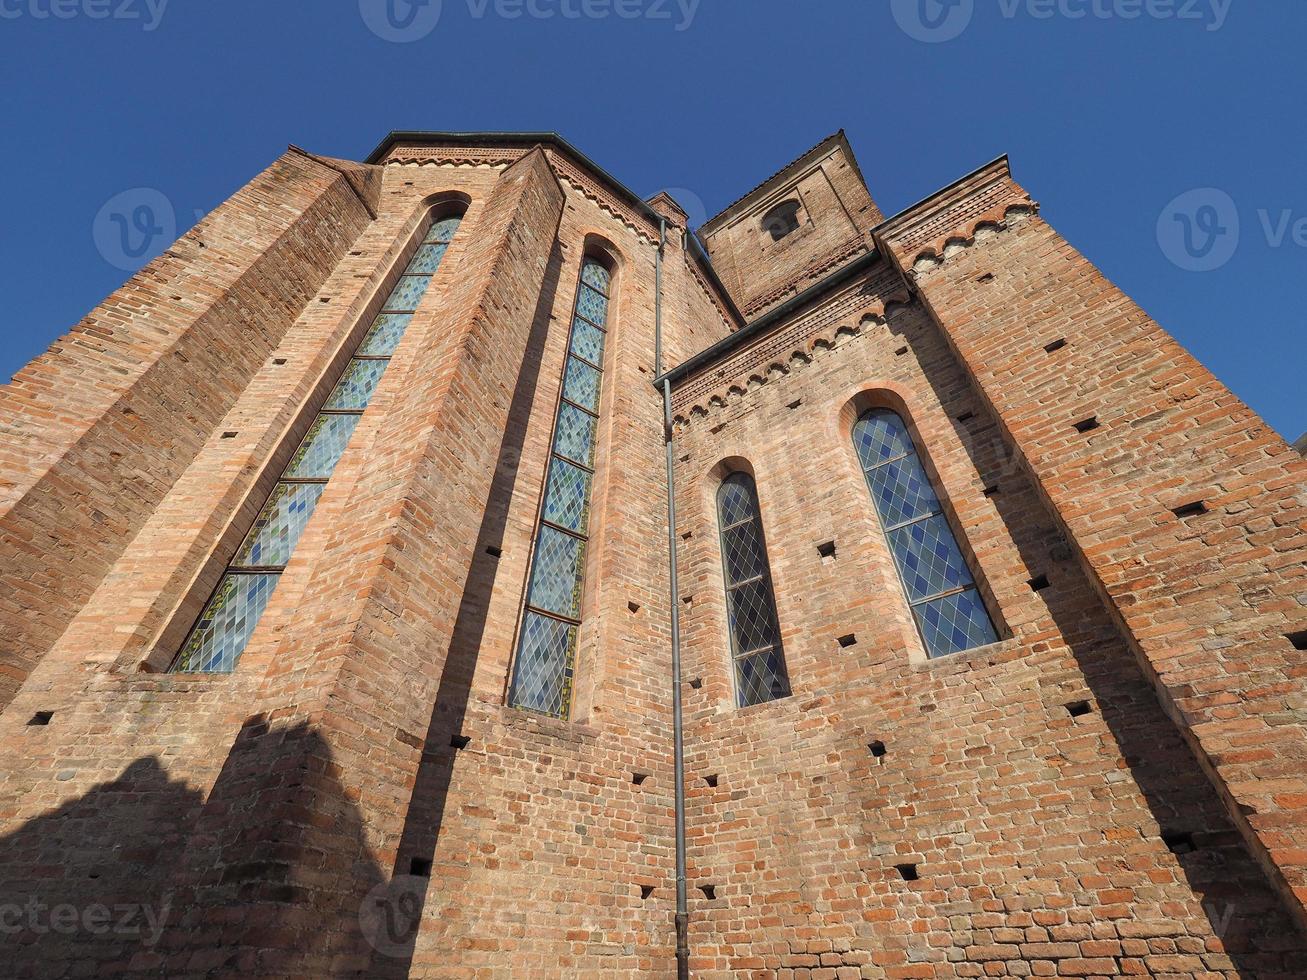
760, 674
546, 649
936, 578
218, 638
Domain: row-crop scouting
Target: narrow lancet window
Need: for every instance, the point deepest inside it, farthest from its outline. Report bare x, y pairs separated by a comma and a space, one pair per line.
936, 578
546, 649
750, 602
224, 628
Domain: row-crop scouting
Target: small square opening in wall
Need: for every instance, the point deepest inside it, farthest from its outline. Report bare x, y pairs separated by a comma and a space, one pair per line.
1086, 425
686, 535
633, 606
966, 416
1056, 345
1179, 841
877, 748
420, 867
279, 361
1039, 583
991, 490
826, 550
711, 780
494, 551
460, 741
901, 351
230, 435
646, 892
709, 891
1077, 709
638, 778
1298, 639
688, 600
908, 872
41, 718
848, 640
987, 277
1191, 509
795, 404
696, 682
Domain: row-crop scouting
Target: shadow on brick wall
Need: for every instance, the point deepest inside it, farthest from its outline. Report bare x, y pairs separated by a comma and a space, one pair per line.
426, 810
85, 887
1245, 913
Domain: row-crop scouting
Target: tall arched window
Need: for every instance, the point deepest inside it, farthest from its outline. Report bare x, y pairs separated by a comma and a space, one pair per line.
546, 648
219, 636
936, 578
750, 602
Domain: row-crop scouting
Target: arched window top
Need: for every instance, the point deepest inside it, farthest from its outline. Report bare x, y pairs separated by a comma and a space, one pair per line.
760, 673
782, 219
935, 575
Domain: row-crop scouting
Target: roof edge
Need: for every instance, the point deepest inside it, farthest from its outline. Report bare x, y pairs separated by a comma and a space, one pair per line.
836, 138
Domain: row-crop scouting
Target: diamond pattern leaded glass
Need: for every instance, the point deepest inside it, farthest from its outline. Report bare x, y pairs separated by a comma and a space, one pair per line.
594, 274
567, 497
735, 500
542, 678
752, 616
356, 385
443, 230
544, 665
556, 575
588, 342
384, 336
902, 491
279, 525
575, 435
218, 638
581, 384
407, 294
321, 449
955, 622
950, 612
929, 558
761, 678
226, 623
743, 553
427, 259
592, 305
881, 435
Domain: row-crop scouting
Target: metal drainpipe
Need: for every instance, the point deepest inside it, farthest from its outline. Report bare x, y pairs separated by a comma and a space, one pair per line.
678, 742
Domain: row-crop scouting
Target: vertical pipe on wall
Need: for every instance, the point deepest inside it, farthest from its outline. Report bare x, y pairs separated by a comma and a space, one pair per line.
678, 743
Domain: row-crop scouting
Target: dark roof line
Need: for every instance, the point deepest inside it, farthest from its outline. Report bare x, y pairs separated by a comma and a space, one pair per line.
763, 183
510, 138
845, 272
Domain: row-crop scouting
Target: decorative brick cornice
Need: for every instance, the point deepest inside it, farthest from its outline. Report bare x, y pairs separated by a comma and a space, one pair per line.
500, 156
842, 253
986, 198
837, 318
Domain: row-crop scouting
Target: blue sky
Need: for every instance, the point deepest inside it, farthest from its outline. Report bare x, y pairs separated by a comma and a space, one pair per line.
1110, 109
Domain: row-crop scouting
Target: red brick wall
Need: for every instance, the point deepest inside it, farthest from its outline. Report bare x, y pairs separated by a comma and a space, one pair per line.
1206, 601
96, 430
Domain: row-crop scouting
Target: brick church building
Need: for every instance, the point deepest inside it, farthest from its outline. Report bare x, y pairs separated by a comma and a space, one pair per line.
374, 561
